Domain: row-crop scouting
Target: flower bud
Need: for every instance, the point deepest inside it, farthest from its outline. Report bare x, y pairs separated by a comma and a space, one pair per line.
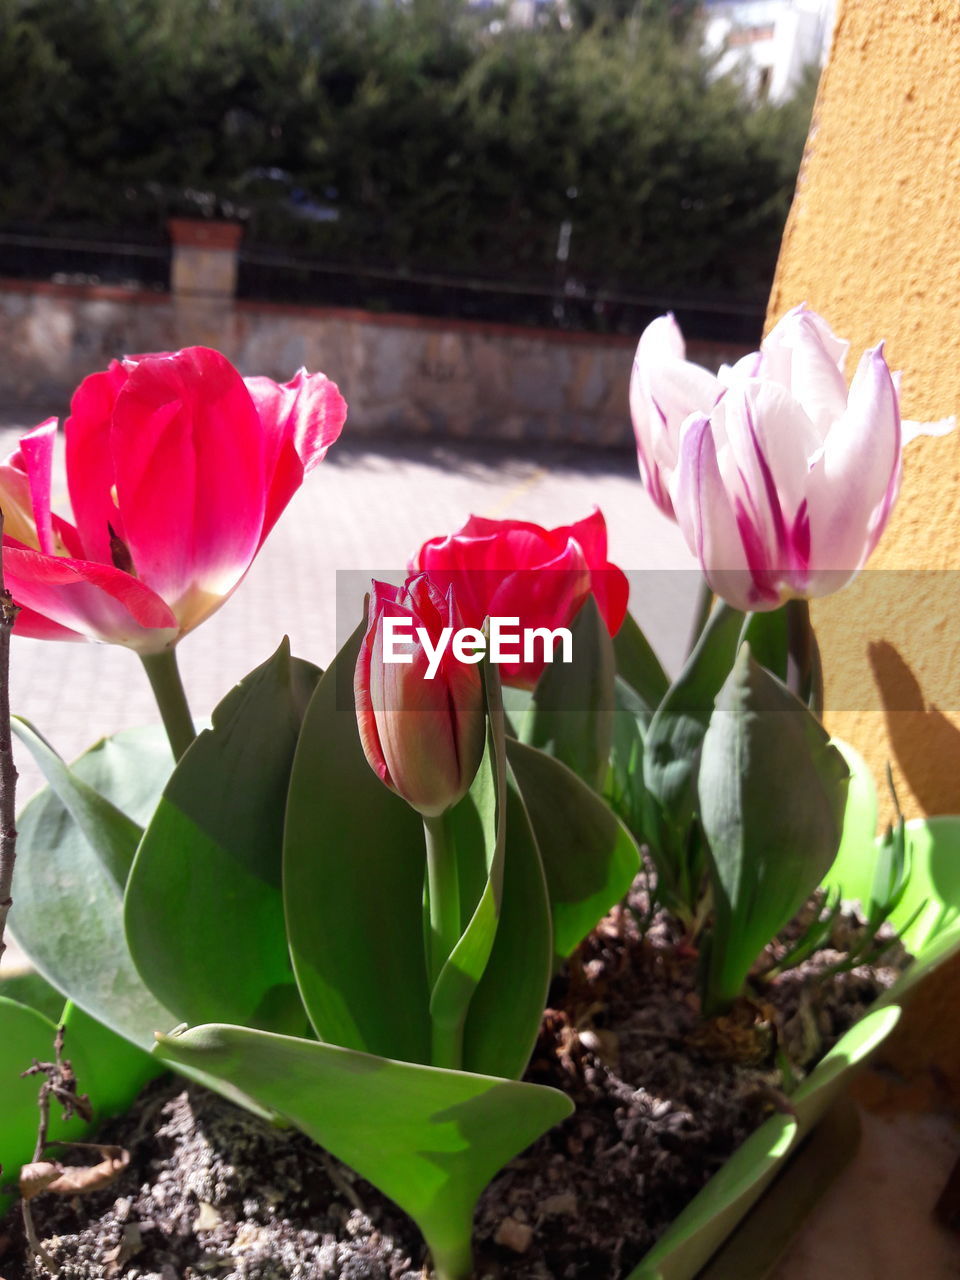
423, 737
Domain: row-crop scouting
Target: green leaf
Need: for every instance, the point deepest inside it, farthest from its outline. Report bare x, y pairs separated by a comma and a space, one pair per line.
506, 1008
430, 1139
476, 829
639, 666
571, 715
860, 815
114, 1070
626, 791
67, 913
672, 746
353, 884
27, 987
671, 758
589, 859
109, 832
772, 791
204, 907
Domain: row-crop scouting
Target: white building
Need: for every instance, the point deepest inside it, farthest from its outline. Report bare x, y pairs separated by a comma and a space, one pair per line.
771, 41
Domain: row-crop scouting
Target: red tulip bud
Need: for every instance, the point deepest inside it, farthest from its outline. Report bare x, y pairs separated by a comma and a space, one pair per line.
422, 736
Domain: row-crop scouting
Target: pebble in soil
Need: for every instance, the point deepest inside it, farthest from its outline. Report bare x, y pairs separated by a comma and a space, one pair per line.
662, 1100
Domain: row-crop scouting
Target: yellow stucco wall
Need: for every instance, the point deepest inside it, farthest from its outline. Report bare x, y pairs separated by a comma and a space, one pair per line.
873, 243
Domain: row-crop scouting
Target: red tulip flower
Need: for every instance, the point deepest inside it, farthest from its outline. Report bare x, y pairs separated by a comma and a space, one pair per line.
423, 735
513, 569
177, 469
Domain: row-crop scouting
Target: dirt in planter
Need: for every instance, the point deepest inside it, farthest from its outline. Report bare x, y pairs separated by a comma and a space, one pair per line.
663, 1099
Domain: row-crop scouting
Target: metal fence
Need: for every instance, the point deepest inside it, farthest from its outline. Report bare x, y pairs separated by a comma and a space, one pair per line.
556, 297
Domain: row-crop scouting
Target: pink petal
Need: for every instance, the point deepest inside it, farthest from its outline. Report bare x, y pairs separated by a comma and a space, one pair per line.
36, 449
854, 484
665, 388
95, 600
301, 419
770, 440
189, 454
90, 470
34, 626
706, 516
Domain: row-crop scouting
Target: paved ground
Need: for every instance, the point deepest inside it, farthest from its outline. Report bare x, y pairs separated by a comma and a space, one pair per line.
365, 510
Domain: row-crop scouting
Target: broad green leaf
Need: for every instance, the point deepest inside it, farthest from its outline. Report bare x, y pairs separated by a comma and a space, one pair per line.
672, 746
571, 715
589, 859
67, 914
506, 1008
353, 884
772, 791
204, 907
430, 1139
859, 819
27, 987
110, 833
639, 666
477, 832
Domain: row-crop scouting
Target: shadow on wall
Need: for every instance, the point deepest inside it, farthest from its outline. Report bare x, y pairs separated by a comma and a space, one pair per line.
925, 744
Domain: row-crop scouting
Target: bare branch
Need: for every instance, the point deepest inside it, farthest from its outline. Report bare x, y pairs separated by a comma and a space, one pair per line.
8, 772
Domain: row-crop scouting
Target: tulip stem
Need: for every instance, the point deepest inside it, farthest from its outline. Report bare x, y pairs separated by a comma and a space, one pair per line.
164, 676
704, 606
443, 896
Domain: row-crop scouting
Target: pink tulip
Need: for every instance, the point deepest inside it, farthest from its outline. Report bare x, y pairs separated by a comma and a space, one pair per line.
177, 469
423, 737
665, 388
512, 569
784, 488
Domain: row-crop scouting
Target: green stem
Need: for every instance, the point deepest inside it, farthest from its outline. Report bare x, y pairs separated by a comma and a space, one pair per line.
701, 614
164, 676
454, 1262
443, 895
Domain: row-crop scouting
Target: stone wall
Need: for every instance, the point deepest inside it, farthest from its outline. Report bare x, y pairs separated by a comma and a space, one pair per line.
400, 374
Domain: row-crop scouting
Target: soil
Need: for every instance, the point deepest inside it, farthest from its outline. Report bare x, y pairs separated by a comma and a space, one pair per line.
663, 1098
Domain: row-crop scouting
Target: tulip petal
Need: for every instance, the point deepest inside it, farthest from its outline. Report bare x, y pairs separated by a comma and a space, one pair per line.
803, 355
36, 450
90, 470
189, 455
770, 439
707, 519
301, 419
94, 600
854, 484
34, 626
664, 389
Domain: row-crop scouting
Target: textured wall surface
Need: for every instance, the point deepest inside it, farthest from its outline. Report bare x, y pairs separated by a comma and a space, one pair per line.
873, 242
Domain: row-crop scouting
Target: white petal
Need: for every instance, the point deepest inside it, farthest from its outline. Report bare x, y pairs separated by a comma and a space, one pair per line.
706, 516
852, 488
802, 353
